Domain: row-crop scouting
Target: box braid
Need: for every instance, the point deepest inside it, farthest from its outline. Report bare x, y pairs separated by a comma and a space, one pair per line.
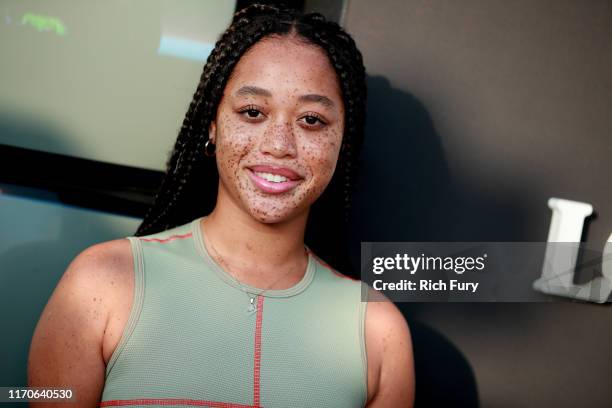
189, 186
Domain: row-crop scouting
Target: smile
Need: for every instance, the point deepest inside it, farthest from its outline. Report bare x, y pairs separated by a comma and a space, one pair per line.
271, 183
276, 178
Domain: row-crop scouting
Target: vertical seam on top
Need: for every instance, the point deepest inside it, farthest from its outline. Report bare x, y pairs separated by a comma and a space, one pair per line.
257, 354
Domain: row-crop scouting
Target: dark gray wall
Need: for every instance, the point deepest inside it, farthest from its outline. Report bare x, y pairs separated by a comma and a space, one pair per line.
480, 111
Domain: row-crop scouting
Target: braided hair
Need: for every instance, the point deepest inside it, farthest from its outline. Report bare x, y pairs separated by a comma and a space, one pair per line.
189, 187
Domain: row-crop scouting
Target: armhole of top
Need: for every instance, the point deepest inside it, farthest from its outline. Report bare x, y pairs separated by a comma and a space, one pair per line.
364, 355
136, 302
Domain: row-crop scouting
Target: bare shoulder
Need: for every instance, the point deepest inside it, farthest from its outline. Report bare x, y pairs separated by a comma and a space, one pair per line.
100, 275
390, 359
105, 272
68, 343
100, 260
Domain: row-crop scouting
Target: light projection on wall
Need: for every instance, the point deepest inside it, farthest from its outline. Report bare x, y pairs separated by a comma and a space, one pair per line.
184, 48
190, 35
44, 23
41, 22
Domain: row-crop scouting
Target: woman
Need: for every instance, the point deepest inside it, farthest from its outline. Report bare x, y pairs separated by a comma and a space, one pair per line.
232, 309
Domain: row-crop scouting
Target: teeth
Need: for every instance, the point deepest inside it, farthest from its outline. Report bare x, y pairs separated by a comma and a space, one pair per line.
275, 178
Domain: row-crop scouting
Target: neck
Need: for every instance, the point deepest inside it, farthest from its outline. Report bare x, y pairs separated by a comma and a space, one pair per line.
256, 253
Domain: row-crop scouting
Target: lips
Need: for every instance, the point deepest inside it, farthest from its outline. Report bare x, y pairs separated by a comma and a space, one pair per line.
281, 171
273, 180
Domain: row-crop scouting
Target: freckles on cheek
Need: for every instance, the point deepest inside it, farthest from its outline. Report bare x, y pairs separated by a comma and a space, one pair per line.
233, 145
324, 151
322, 161
327, 167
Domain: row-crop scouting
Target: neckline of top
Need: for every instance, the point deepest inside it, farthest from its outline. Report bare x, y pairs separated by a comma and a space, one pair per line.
199, 233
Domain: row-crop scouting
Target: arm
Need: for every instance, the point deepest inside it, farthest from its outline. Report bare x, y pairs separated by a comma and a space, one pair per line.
389, 349
67, 346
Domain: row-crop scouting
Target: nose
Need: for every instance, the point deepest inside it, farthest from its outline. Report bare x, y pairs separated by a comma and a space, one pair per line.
279, 140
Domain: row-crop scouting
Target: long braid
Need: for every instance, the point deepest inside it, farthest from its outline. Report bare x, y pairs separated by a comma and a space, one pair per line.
189, 186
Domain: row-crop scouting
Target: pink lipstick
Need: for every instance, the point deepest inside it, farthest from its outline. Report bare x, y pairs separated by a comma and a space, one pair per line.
273, 180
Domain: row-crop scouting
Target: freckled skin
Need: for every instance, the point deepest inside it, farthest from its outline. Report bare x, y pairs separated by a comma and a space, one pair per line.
281, 132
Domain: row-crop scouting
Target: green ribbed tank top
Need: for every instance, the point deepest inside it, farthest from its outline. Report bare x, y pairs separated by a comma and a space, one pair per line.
190, 340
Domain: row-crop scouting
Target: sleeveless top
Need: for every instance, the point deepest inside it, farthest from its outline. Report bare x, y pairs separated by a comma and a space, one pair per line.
190, 339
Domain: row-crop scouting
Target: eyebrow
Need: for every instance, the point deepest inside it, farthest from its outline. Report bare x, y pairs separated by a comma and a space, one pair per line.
257, 91
323, 100
253, 90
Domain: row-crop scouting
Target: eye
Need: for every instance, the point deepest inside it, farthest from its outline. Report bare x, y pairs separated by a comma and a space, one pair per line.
313, 120
251, 113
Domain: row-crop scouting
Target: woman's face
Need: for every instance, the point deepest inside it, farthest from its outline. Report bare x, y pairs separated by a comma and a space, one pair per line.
278, 129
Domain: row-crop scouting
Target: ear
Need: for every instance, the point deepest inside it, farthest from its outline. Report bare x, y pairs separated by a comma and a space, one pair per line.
212, 131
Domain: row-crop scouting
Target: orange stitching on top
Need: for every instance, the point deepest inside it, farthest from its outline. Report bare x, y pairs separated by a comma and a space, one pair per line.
172, 238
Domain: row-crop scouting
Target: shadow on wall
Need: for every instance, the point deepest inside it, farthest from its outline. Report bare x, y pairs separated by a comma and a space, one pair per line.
403, 172
444, 377
406, 192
